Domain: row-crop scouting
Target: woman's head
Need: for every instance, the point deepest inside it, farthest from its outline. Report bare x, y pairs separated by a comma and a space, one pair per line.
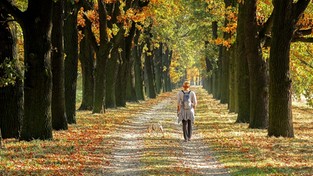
186, 85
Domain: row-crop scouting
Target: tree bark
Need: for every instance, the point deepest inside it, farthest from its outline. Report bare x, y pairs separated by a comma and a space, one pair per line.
102, 53
37, 123
285, 16
111, 74
243, 72
130, 89
167, 56
233, 81
138, 68
11, 96
71, 60
149, 71
87, 65
257, 70
158, 68
59, 120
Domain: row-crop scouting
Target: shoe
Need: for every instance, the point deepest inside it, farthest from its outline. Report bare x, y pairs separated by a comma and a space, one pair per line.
185, 140
189, 139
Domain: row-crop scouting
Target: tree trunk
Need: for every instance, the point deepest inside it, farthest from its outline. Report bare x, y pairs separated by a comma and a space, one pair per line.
285, 16
11, 96
243, 72
209, 68
225, 77
111, 78
120, 90
138, 69
158, 68
59, 120
130, 89
166, 73
37, 123
233, 81
218, 75
149, 72
0, 139
257, 70
99, 96
71, 60
102, 56
87, 65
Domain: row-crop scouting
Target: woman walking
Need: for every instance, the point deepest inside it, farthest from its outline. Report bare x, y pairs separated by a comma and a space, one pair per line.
186, 105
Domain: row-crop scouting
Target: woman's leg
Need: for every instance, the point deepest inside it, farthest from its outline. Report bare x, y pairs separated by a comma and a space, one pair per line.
189, 129
185, 129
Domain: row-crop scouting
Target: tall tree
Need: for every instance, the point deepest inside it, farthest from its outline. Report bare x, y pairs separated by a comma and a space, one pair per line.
71, 59
36, 23
158, 67
167, 59
242, 69
286, 14
130, 88
111, 74
102, 55
151, 92
86, 57
11, 84
59, 120
137, 53
257, 69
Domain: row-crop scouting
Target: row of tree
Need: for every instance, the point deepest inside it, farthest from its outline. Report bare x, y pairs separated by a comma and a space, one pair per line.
258, 89
113, 41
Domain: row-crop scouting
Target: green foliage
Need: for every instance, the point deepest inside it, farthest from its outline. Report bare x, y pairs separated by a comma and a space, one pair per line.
21, 4
301, 69
10, 73
184, 31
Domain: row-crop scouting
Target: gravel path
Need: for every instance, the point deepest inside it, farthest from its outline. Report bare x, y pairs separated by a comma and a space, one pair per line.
141, 148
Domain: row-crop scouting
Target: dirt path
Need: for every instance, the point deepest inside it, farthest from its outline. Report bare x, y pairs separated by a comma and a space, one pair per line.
141, 148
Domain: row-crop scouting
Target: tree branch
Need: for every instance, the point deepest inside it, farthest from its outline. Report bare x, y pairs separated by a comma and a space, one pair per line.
299, 8
303, 39
103, 23
91, 35
304, 62
304, 32
13, 10
266, 29
86, 5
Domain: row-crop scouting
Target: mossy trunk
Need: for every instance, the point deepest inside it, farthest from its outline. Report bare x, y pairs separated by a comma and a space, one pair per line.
37, 121
11, 96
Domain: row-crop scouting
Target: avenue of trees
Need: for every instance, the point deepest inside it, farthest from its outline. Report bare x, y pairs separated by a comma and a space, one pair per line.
247, 53
251, 72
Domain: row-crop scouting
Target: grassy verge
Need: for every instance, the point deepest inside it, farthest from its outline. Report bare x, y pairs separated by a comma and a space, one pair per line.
81, 150
249, 151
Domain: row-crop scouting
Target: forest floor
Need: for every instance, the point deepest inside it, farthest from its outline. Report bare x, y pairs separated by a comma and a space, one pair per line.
145, 139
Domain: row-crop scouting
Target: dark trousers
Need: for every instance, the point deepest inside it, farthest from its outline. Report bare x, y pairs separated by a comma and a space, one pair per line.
187, 129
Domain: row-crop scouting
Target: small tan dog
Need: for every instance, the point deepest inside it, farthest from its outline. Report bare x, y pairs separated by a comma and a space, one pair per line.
155, 128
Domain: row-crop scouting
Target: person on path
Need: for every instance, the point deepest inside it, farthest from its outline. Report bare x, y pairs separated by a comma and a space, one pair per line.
186, 105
